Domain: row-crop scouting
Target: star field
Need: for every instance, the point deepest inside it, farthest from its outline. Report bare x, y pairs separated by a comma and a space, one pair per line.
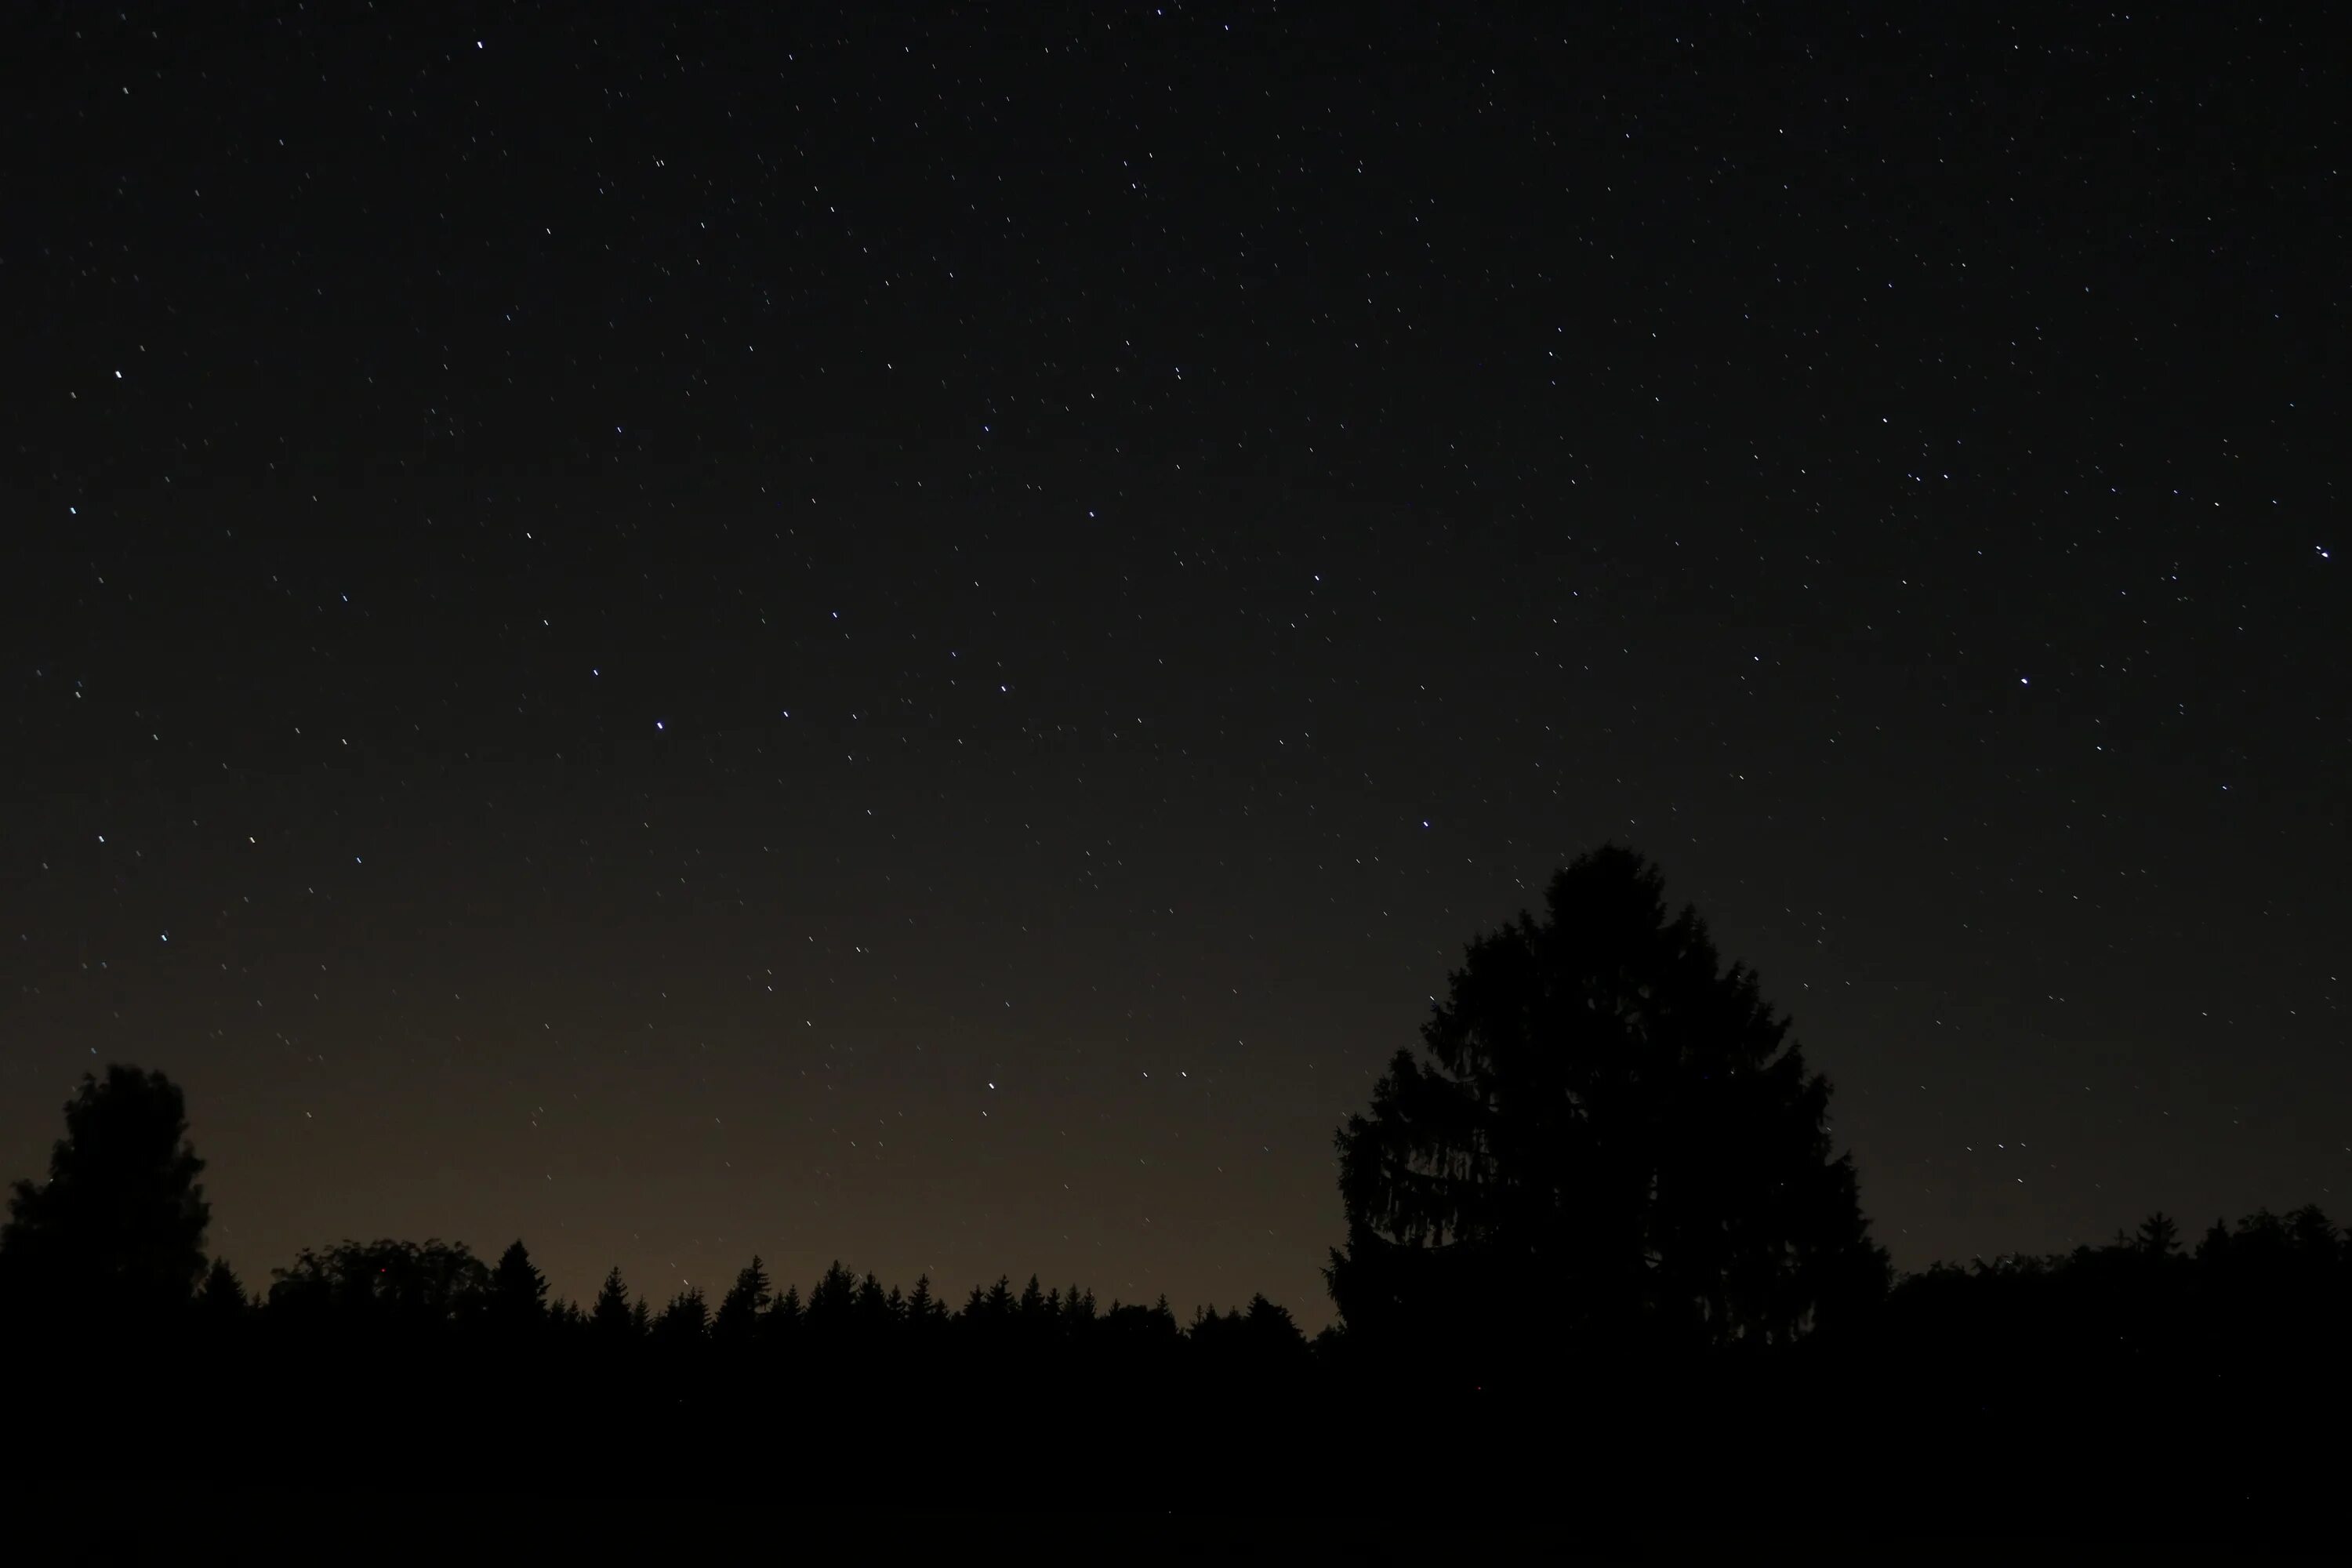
916, 635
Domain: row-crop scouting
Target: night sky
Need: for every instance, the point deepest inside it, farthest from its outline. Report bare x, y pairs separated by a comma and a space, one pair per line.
919, 635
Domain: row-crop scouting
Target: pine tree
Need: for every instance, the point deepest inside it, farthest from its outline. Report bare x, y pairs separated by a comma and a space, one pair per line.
609, 1317
1606, 1121
518, 1291
741, 1309
1077, 1310
684, 1322
222, 1295
119, 1224
833, 1301
1271, 1339
2312, 1232
872, 1307
2158, 1235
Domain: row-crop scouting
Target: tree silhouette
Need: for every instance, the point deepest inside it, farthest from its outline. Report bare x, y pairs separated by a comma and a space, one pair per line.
2049, 1383
1031, 1308
518, 1291
1209, 1331
609, 1317
119, 1224
1272, 1333
223, 1294
871, 1310
742, 1308
832, 1303
684, 1322
399, 1285
1079, 1308
2312, 1232
2159, 1234
1611, 1134
923, 1309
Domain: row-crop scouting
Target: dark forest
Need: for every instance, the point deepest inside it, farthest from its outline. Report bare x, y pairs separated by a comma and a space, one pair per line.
1600, 1263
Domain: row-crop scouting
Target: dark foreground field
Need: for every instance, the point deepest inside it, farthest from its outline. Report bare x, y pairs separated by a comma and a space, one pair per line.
405, 1460
361, 1526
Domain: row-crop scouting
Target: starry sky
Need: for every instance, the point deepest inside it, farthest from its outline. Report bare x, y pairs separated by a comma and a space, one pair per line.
916, 633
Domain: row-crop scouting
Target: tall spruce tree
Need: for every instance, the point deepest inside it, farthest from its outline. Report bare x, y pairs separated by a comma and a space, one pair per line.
518, 1291
222, 1295
119, 1224
609, 1318
741, 1309
1609, 1136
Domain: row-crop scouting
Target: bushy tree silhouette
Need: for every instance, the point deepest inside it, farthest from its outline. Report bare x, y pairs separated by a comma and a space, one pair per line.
2312, 1233
1610, 1139
402, 1286
119, 1224
2147, 1348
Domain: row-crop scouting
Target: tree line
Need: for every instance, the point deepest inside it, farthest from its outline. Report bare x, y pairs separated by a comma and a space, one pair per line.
436, 1292
1597, 1236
